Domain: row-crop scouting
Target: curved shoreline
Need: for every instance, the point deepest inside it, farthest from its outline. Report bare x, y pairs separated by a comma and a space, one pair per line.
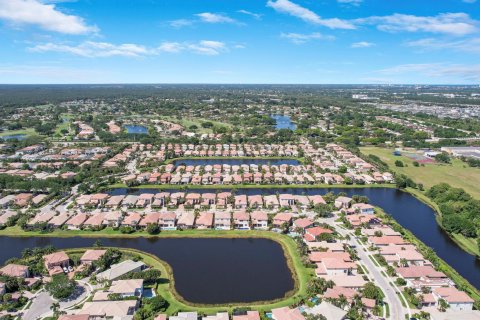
299, 274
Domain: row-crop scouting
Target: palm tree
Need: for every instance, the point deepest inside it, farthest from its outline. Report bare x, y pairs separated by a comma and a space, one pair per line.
55, 307
443, 305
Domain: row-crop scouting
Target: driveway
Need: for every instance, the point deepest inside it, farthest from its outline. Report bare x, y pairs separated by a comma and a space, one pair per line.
40, 306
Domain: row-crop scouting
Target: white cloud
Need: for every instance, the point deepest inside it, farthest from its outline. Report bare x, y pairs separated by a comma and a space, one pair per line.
299, 38
210, 17
90, 49
45, 16
437, 70
465, 45
293, 9
350, 2
457, 24
257, 16
179, 23
362, 44
93, 49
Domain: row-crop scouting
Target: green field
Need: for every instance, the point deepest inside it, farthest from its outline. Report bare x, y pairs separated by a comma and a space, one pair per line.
28, 132
458, 174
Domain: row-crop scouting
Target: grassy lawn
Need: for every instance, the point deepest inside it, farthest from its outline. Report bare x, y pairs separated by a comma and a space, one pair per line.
166, 287
187, 122
457, 174
28, 132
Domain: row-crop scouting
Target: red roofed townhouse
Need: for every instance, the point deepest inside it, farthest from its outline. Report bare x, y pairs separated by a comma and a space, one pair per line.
186, 220
259, 220
15, 270
312, 234
241, 202
241, 220
343, 202
132, 219
363, 208
282, 219
316, 200
386, 240
91, 256
456, 299
302, 224
76, 221
167, 221
223, 220
54, 262
286, 313
205, 220
251, 315
255, 201
149, 218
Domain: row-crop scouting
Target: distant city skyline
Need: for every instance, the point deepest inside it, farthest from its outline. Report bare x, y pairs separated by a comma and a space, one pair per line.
255, 41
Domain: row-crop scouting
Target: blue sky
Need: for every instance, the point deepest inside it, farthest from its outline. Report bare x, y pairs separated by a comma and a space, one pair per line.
240, 41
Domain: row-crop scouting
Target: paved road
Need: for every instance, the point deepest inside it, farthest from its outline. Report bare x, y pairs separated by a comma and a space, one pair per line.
40, 306
397, 311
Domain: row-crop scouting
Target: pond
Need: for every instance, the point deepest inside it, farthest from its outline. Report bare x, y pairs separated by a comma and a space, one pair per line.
283, 122
238, 162
14, 136
206, 270
409, 212
136, 129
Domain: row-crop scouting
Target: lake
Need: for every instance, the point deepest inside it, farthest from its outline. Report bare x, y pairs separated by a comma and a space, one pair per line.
410, 212
14, 136
283, 122
206, 270
136, 129
232, 162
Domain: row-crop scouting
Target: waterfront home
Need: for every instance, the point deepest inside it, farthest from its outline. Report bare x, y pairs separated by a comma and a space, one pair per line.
129, 201
186, 220
75, 222
121, 309
241, 201
412, 273
119, 269
132, 219
144, 200
382, 230
363, 208
167, 220
456, 299
241, 220
255, 201
185, 316
112, 219
98, 199
395, 254
343, 202
250, 315
218, 316
95, 220
282, 219
15, 270
271, 202
286, 200
223, 221
192, 199
114, 201
286, 313
6, 201
59, 220
160, 199
318, 256
357, 220
327, 309
222, 199
91, 256
302, 202
259, 220
55, 262
149, 218
127, 288
205, 220
208, 199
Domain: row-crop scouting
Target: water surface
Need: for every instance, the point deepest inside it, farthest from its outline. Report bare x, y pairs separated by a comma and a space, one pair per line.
136, 129
283, 122
206, 270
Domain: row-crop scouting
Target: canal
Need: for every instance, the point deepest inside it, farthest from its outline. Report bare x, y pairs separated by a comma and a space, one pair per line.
409, 212
206, 270
233, 162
